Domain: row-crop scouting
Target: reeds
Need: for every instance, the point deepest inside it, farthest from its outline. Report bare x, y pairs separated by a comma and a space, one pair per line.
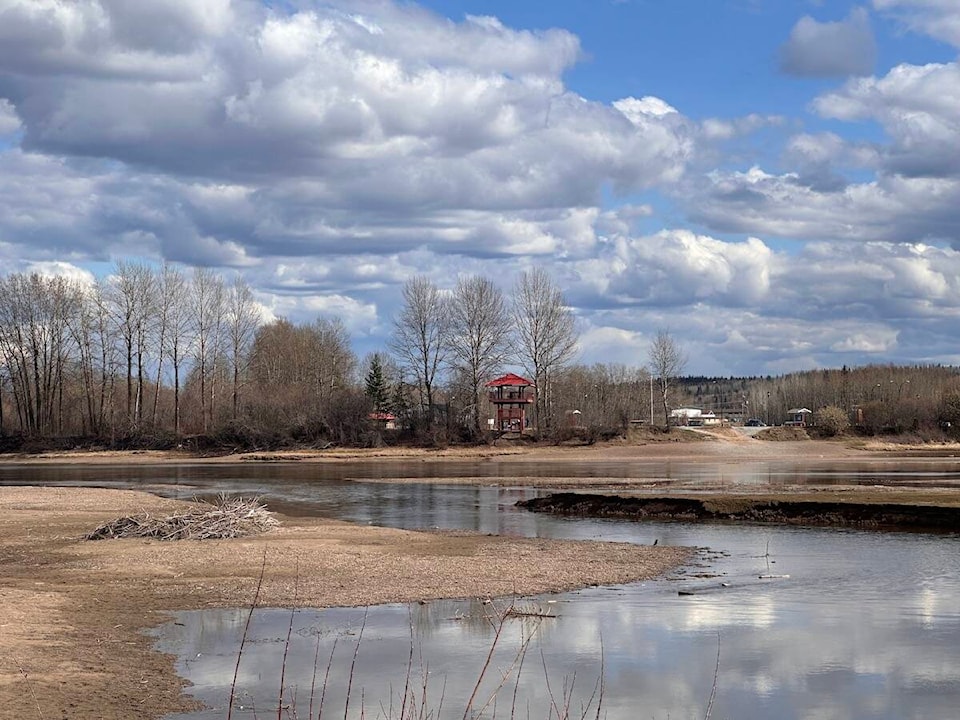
493, 693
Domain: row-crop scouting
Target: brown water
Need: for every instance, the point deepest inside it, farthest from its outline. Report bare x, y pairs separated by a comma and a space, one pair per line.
866, 625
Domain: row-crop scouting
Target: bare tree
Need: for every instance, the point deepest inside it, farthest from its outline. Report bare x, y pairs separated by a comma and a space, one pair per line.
667, 361
91, 328
131, 300
478, 340
420, 336
546, 330
243, 317
206, 314
34, 311
176, 290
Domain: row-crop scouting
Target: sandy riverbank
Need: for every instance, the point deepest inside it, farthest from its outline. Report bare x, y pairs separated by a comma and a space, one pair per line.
680, 445
72, 612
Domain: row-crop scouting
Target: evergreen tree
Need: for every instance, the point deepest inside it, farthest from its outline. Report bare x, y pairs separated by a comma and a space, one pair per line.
376, 386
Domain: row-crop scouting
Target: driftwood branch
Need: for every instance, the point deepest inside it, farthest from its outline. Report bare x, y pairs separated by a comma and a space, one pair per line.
228, 518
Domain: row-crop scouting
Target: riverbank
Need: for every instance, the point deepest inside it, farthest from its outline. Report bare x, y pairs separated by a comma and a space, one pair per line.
681, 444
73, 612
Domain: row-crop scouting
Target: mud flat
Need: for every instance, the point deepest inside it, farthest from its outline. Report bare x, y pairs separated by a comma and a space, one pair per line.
722, 508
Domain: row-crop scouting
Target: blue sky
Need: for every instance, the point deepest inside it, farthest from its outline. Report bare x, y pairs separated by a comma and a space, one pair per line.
776, 182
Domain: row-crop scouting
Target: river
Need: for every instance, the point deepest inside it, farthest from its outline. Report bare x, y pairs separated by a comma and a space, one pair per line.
843, 624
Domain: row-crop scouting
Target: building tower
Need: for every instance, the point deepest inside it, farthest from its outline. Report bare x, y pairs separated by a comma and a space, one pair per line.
510, 395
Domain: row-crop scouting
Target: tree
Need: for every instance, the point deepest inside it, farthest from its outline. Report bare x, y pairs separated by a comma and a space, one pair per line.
376, 387
667, 361
175, 288
546, 331
133, 288
420, 336
480, 328
34, 313
206, 314
242, 320
91, 329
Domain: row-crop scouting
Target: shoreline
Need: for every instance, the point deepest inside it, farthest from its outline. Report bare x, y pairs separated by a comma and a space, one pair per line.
682, 445
73, 613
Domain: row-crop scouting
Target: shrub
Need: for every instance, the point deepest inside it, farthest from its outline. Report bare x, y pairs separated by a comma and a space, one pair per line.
831, 421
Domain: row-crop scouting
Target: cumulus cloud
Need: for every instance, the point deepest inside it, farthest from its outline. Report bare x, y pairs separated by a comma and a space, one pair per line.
746, 306
391, 105
9, 121
937, 18
917, 107
891, 207
331, 151
830, 49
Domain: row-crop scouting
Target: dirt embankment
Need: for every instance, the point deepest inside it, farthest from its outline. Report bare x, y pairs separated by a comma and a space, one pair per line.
873, 515
72, 612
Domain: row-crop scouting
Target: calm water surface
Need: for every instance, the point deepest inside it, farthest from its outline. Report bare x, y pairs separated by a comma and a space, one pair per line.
866, 625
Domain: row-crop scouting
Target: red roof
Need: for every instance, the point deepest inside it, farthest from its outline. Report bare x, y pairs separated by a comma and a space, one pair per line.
510, 379
381, 416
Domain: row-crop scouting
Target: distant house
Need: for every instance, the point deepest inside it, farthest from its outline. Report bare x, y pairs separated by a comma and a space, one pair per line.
798, 417
383, 420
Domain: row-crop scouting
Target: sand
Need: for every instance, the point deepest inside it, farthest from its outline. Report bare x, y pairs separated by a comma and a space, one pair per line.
73, 612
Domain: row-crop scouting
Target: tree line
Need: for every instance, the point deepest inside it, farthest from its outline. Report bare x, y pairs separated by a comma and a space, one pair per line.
162, 355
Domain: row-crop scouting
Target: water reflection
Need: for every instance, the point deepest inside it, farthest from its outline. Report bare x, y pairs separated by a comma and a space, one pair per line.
865, 626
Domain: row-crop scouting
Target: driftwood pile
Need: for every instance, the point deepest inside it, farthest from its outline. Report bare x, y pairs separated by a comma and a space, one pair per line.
228, 518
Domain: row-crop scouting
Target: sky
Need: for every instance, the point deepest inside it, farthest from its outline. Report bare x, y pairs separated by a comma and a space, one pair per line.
776, 183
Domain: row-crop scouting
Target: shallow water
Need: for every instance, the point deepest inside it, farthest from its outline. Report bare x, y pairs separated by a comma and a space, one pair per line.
867, 625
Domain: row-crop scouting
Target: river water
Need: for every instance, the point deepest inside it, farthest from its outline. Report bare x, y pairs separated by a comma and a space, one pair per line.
843, 624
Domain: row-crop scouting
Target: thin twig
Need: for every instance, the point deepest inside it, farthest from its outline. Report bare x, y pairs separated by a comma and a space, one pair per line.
603, 673
716, 674
23, 674
313, 680
286, 644
497, 629
353, 665
243, 639
326, 678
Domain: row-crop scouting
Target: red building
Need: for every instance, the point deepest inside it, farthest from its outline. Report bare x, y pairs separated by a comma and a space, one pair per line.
511, 394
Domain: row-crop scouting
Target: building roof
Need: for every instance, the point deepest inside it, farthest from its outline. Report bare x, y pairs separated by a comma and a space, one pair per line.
381, 416
511, 380
797, 411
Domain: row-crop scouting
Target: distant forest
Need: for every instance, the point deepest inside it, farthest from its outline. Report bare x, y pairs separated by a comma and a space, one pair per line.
160, 357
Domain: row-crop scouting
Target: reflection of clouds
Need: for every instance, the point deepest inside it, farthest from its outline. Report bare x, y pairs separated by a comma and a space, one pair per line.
866, 627
708, 614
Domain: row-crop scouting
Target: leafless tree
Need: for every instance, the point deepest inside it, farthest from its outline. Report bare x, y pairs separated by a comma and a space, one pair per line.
243, 317
419, 337
175, 293
667, 361
34, 311
206, 314
131, 302
546, 331
92, 332
478, 340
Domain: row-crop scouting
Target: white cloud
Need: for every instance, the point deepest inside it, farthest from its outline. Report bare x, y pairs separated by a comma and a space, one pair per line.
61, 269
891, 208
937, 18
9, 121
917, 107
830, 49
